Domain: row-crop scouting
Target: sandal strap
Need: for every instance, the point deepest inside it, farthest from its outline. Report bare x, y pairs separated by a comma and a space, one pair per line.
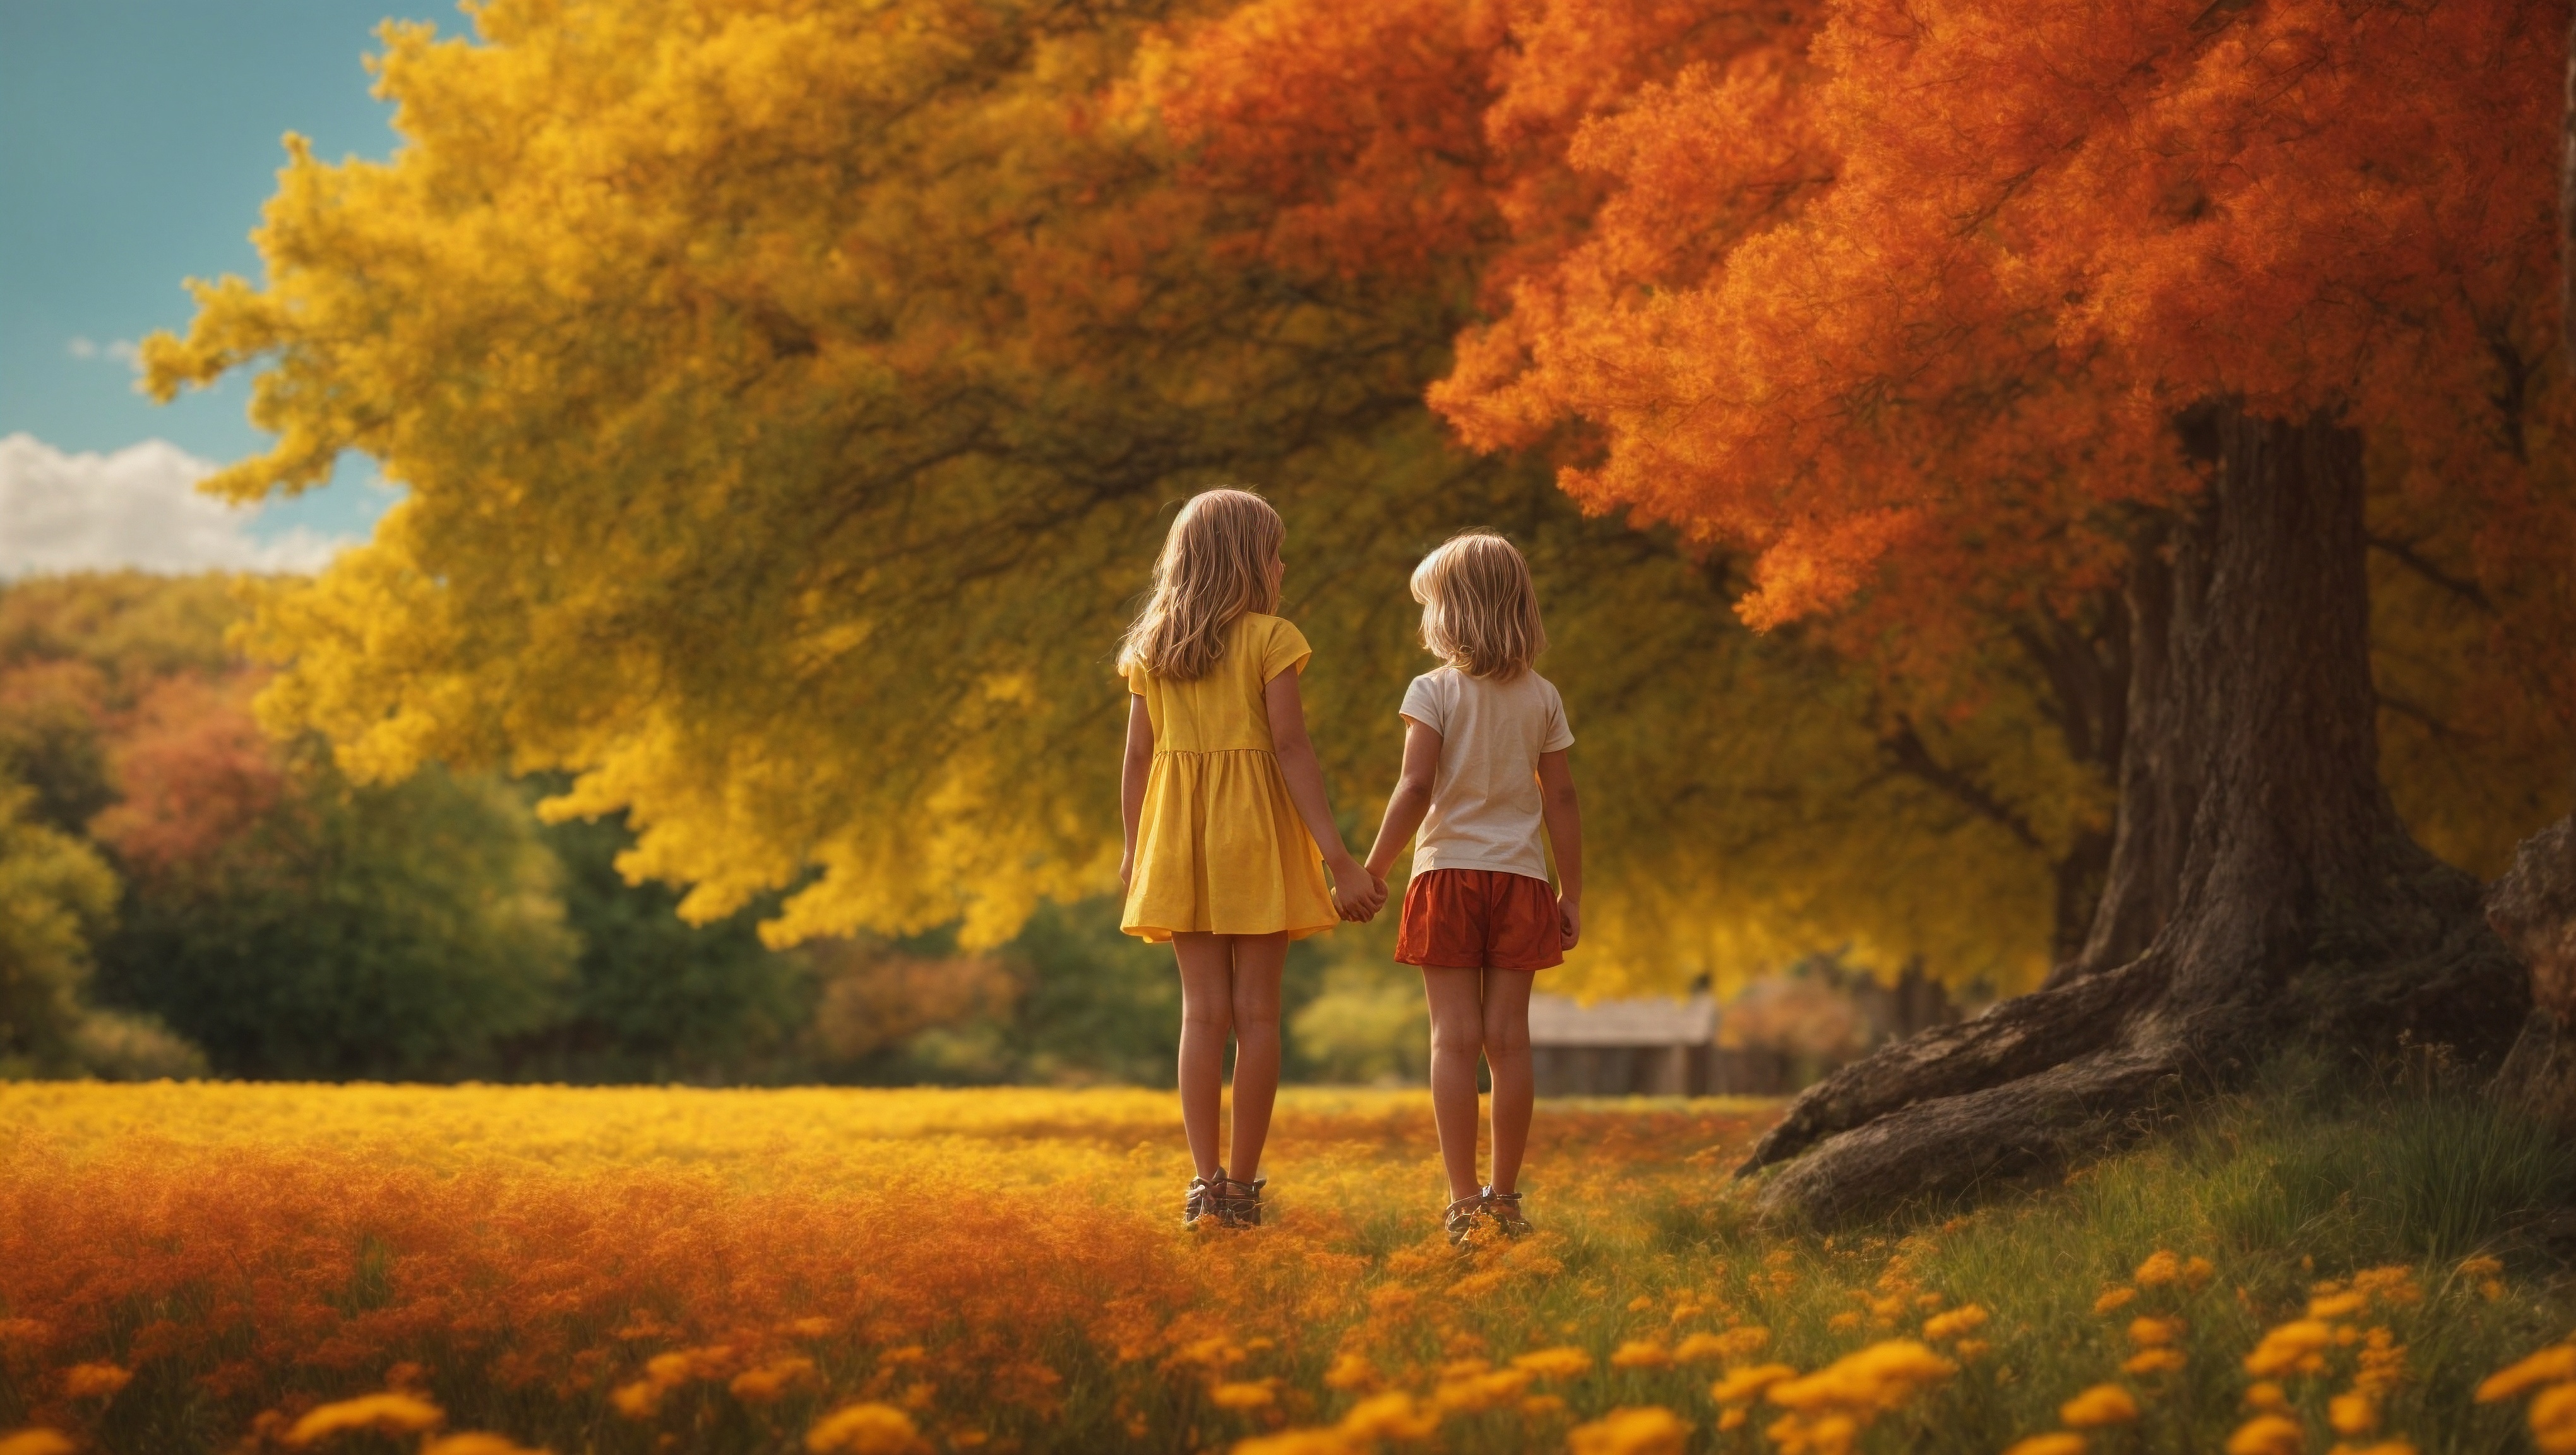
1237, 1203
1204, 1192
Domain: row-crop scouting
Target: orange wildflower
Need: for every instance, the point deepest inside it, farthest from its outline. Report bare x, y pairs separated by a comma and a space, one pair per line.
2291, 1348
771, 1380
1389, 1416
1559, 1363
2552, 1365
2553, 1420
1350, 1371
86, 1381
1646, 1430
2352, 1414
2147, 1333
477, 1442
390, 1411
1296, 1442
2267, 1435
1879, 1378
1741, 1386
1240, 1395
2103, 1404
866, 1428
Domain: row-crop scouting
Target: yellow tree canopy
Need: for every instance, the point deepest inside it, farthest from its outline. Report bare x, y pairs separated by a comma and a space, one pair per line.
790, 397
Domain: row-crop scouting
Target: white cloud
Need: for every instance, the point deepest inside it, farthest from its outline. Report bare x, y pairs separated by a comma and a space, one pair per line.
122, 350
137, 507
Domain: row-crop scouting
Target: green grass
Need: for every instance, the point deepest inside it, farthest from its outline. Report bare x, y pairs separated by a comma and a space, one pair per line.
2304, 1177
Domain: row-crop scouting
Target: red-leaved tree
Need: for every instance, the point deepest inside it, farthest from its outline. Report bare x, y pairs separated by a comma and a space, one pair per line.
2134, 295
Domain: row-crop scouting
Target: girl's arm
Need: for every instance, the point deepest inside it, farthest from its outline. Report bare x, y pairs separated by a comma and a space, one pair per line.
1412, 797
1139, 765
1564, 835
1353, 892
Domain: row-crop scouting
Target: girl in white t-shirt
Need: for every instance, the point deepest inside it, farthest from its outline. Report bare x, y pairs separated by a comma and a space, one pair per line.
1484, 772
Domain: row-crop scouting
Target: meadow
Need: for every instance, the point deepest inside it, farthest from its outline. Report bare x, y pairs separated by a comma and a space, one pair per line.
474, 1270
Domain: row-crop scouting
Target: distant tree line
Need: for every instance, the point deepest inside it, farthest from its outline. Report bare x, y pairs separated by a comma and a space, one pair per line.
183, 893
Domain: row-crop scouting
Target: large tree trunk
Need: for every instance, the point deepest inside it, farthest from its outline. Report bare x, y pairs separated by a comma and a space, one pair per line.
2260, 884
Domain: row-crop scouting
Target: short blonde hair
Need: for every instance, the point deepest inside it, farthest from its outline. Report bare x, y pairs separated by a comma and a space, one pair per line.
1215, 566
1479, 606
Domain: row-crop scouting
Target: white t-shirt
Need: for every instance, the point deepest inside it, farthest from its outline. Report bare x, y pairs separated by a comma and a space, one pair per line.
1485, 805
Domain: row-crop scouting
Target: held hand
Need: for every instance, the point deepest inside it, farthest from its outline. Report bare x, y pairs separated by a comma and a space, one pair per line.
1351, 890
1569, 922
1126, 873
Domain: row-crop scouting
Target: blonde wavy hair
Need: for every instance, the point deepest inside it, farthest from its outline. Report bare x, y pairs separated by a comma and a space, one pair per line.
1479, 606
1215, 566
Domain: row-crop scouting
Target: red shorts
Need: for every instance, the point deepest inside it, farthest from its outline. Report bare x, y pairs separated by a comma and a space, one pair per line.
1479, 919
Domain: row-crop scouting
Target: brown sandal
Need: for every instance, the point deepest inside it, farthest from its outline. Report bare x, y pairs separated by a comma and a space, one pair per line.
1238, 1203
1505, 1209
1206, 1197
1459, 1218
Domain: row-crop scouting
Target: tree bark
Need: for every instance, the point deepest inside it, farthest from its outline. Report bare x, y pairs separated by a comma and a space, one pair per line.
2085, 660
2567, 203
2533, 906
2261, 884
2158, 784
2078, 880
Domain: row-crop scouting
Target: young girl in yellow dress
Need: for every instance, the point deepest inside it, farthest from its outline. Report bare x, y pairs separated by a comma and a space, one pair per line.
1228, 830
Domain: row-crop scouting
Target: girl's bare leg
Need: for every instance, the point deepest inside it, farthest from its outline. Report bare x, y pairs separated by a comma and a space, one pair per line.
1507, 1053
1207, 1019
1258, 961
1457, 1038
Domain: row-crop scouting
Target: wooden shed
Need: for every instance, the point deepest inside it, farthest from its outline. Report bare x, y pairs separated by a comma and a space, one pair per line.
1650, 1046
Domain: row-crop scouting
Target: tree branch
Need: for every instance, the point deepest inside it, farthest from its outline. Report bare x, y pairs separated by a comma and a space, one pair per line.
1906, 749
2405, 554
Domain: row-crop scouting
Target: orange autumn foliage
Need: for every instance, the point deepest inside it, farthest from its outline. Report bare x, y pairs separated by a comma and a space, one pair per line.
196, 769
1904, 300
1944, 378
1406, 139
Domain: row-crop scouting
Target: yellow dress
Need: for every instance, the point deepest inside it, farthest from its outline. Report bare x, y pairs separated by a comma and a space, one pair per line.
1220, 847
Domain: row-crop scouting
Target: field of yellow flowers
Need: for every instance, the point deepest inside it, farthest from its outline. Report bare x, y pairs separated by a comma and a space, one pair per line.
478, 1271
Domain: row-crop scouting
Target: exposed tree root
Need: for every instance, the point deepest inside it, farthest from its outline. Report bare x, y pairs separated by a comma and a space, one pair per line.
2046, 1079
2262, 890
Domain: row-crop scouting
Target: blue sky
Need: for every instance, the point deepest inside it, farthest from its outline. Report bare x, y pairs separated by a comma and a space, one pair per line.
138, 139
